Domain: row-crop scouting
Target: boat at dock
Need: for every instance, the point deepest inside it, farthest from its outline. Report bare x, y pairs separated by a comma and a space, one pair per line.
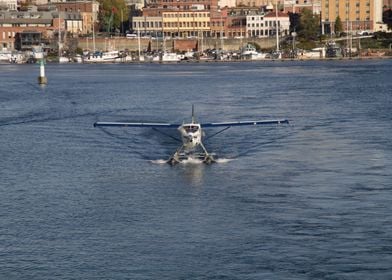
102, 57
5, 56
250, 52
167, 57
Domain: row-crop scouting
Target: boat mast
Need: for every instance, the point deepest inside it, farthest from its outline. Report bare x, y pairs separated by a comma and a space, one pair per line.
276, 24
93, 35
59, 50
138, 39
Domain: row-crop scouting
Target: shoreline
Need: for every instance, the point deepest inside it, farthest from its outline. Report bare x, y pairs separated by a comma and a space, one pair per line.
357, 58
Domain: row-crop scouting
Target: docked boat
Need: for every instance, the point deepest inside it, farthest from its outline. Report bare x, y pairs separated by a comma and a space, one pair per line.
17, 58
166, 57
315, 53
102, 57
78, 58
249, 52
5, 56
63, 59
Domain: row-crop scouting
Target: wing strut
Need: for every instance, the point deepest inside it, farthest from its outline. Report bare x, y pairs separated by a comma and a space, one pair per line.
220, 131
168, 135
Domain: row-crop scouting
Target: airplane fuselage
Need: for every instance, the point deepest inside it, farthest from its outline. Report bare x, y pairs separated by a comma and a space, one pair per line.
191, 135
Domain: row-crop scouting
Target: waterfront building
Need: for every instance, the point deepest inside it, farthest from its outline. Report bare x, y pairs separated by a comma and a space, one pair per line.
254, 3
356, 15
76, 17
180, 18
186, 24
158, 7
8, 5
260, 25
218, 23
236, 25
39, 2
147, 26
227, 3
13, 23
297, 6
80, 15
135, 4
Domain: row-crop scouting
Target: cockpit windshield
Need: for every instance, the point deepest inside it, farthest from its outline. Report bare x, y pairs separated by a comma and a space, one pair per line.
191, 128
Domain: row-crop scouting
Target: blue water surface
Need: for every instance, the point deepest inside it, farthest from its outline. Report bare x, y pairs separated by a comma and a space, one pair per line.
309, 200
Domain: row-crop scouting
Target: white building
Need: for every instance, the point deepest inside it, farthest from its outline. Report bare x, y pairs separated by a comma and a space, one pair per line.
296, 6
39, 2
11, 5
378, 4
139, 4
227, 3
265, 25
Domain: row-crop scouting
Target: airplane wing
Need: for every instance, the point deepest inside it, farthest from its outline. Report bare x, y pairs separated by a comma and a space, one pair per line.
129, 124
240, 123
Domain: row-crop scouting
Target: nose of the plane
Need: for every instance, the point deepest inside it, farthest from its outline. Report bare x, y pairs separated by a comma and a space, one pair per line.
188, 137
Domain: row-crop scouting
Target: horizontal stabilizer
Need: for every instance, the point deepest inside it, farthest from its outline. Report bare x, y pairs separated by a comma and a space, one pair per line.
128, 124
240, 123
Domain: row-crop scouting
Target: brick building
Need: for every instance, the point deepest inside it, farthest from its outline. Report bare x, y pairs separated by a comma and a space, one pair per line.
13, 23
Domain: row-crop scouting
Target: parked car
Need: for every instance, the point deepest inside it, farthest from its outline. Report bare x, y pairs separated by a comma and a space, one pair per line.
131, 36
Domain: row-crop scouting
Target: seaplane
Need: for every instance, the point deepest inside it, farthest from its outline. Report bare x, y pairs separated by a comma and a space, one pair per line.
192, 134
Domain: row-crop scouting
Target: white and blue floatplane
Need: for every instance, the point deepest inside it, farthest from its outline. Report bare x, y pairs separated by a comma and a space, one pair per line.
191, 135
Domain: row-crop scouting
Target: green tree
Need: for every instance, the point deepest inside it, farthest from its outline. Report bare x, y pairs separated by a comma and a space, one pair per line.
338, 28
112, 15
309, 25
387, 18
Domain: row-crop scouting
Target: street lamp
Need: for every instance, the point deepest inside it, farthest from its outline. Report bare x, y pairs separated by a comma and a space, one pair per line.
294, 34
